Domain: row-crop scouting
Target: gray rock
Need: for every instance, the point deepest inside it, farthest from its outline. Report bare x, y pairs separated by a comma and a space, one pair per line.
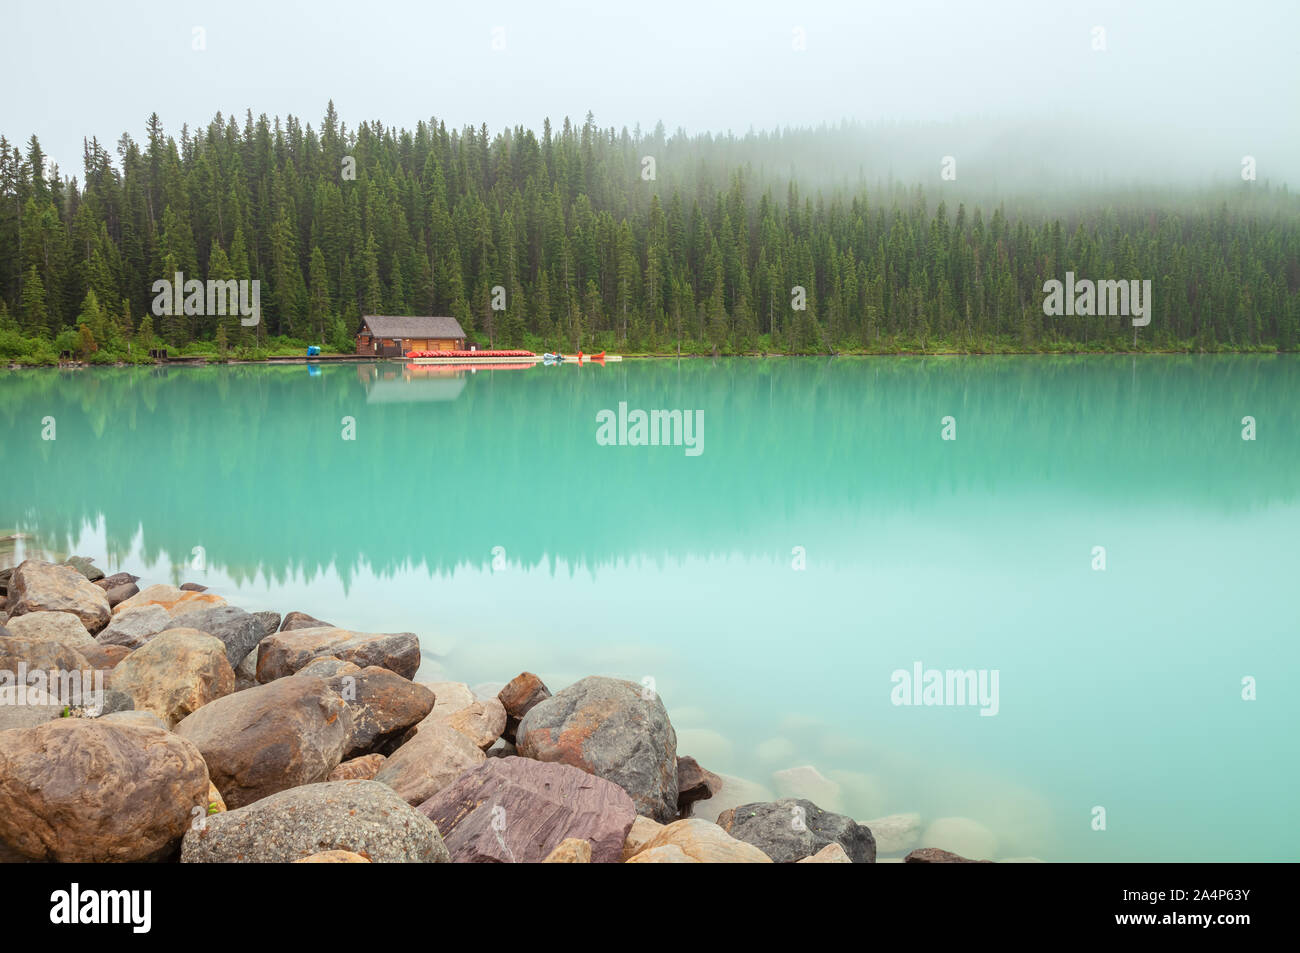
84, 566
115, 580
612, 729
328, 667
270, 622
121, 593
364, 817
134, 627
790, 829
240, 631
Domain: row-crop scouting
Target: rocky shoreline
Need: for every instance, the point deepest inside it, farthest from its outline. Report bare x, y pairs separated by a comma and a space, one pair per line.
163, 724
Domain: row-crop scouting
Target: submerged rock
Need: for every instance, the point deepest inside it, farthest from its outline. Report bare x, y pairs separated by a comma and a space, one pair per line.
361, 817
609, 728
961, 835
896, 833
513, 810
83, 790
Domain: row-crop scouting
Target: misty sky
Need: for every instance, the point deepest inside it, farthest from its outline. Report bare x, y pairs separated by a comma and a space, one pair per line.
1199, 82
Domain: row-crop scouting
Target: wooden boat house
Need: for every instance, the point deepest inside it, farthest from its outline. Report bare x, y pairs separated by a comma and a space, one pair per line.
383, 335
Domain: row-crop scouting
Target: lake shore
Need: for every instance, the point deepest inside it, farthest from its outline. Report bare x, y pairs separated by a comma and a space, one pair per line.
261, 737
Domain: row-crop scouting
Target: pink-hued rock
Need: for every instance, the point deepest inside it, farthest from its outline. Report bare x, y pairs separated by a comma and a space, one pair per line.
519, 810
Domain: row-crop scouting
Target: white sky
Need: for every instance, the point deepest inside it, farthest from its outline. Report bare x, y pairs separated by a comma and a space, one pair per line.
1178, 75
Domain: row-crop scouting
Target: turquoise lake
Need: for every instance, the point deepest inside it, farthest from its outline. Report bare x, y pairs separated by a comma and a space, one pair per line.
826, 537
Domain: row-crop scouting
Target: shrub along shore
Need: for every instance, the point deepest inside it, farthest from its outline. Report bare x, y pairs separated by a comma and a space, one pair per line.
164, 724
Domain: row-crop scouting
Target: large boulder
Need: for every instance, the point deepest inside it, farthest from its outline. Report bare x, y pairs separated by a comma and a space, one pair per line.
263, 740
513, 810
362, 817
520, 695
479, 720
702, 842
172, 598
134, 627
176, 673
429, 762
287, 651
284, 653
38, 586
612, 729
791, 829
62, 627
239, 631
383, 704
82, 790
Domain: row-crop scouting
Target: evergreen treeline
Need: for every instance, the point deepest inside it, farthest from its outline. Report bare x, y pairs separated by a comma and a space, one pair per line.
594, 250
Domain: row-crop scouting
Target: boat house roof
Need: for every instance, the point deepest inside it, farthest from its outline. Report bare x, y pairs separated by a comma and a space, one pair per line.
412, 326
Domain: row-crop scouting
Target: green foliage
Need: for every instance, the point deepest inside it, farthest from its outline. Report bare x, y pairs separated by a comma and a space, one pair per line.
702, 259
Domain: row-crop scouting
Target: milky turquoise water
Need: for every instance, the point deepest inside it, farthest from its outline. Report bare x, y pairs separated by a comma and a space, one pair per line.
480, 511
